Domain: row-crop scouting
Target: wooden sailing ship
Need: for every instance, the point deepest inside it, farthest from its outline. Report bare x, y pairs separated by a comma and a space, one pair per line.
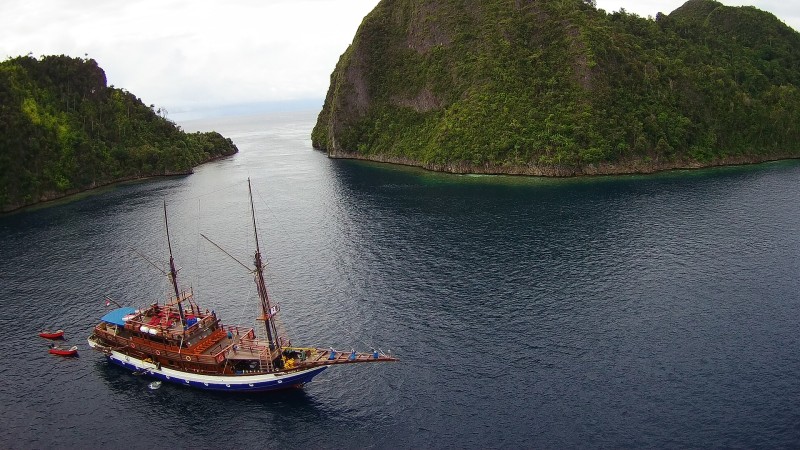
180, 342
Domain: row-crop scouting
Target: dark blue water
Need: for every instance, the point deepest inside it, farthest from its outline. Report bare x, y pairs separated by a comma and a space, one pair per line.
657, 311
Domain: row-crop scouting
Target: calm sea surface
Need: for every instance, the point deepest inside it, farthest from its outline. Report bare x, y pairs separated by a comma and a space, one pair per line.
658, 311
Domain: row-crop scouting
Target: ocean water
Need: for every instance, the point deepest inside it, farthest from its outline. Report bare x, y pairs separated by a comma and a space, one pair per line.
632, 311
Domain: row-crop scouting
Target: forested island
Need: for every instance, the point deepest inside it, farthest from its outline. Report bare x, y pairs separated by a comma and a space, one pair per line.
559, 87
63, 130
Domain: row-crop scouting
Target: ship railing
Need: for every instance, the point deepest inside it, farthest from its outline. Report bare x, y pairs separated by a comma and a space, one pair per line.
266, 359
136, 325
240, 332
169, 352
253, 347
241, 338
184, 295
205, 322
160, 349
241, 341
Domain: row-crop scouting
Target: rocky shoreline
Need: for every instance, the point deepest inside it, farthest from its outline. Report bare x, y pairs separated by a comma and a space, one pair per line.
53, 196
633, 167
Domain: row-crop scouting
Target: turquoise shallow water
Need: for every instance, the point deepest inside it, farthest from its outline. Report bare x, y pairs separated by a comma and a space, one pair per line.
656, 311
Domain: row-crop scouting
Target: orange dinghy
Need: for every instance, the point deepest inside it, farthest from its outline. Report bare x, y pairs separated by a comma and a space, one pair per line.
72, 351
52, 334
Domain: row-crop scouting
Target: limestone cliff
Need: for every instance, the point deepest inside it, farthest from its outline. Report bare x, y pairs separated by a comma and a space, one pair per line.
558, 87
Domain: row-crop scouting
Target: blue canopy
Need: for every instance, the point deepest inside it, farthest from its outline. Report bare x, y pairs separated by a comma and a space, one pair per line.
116, 315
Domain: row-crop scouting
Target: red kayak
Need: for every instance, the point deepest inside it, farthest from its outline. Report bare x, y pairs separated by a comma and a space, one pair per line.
52, 334
73, 351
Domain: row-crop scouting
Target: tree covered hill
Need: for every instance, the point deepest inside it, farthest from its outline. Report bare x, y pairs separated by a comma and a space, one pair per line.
559, 87
62, 130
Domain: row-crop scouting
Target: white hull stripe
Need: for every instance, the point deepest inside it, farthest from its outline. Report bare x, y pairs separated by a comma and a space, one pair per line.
261, 382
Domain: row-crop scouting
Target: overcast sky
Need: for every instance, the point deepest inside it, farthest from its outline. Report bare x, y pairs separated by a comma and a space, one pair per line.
190, 55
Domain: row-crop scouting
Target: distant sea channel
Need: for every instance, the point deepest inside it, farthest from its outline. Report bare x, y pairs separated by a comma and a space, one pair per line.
657, 311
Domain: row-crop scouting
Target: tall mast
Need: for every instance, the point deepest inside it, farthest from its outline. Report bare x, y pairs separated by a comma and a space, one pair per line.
266, 309
173, 273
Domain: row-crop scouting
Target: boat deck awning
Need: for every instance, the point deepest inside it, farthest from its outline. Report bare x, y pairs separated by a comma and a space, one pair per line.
115, 316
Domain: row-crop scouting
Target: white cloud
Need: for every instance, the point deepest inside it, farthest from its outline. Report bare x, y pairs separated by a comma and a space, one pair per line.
184, 54
788, 11
187, 54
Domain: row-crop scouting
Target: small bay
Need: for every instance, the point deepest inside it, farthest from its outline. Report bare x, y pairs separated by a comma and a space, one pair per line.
628, 311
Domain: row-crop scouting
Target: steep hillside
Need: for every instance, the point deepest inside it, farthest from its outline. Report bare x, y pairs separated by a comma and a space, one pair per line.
62, 130
558, 87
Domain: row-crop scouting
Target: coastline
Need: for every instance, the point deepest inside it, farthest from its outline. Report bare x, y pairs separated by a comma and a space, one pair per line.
48, 197
633, 167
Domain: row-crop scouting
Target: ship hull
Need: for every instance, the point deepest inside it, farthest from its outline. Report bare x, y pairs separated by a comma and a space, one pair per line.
224, 383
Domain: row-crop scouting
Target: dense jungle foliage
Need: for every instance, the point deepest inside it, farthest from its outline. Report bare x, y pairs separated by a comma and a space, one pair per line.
62, 130
523, 86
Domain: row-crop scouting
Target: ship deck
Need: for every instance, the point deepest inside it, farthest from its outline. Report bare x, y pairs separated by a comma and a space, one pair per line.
236, 348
